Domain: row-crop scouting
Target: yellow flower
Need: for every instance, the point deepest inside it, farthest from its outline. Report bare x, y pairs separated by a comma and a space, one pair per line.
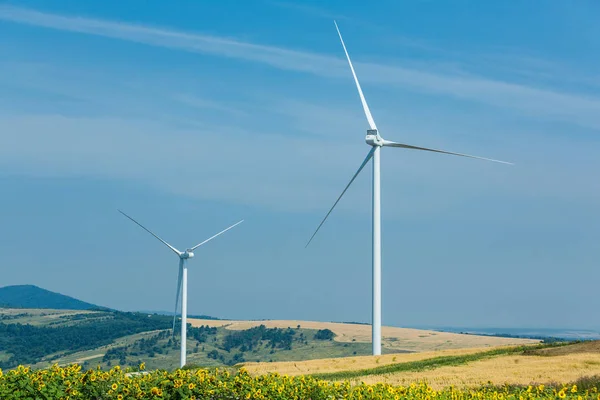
142, 366
114, 386
120, 397
541, 388
574, 389
0, 372
191, 386
154, 390
562, 394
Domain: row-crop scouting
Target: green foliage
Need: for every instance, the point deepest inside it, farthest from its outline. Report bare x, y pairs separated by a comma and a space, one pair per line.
201, 333
248, 339
28, 344
40, 338
324, 334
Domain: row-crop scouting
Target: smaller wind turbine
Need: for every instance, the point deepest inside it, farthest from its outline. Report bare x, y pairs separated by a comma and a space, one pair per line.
181, 282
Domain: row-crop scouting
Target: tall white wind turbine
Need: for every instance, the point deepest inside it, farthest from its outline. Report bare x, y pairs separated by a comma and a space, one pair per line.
376, 142
181, 282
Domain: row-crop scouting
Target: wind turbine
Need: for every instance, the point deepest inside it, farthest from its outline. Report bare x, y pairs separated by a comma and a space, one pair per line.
376, 142
181, 281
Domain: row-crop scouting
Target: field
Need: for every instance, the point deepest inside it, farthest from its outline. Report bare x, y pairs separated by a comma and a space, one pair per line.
394, 339
466, 368
283, 359
107, 338
74, 383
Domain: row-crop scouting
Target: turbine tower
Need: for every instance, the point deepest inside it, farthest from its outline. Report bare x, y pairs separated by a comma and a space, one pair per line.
376, 142
184, 256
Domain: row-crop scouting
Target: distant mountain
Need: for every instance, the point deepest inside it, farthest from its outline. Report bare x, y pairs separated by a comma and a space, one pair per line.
30, 296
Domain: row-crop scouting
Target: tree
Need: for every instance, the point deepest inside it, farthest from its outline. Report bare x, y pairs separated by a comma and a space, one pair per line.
324, 334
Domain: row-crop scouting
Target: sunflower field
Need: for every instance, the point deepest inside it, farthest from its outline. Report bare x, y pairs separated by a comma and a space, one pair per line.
72, 382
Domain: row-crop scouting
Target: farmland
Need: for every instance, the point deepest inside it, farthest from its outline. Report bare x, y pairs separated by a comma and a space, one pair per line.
394, 339
73, 382
41, 337
283, 359
466, 368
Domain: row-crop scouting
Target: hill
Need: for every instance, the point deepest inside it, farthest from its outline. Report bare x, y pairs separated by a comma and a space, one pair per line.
30, 296
394, 339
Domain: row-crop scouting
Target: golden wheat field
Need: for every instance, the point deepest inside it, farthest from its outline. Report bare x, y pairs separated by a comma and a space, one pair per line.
541, 366
328, 365
394, 339
522, 370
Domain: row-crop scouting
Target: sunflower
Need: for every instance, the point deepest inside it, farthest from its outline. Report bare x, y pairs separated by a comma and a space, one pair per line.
114, 386
540, 388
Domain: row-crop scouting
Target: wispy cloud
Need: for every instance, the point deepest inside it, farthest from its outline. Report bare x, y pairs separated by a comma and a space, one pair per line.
550, 104
318, 12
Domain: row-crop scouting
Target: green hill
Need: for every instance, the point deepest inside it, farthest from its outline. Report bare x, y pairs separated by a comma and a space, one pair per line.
30, 296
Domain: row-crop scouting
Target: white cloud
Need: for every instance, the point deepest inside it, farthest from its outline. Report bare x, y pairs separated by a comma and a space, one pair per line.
553, 105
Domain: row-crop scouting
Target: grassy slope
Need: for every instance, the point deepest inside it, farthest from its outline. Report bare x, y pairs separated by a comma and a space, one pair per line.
348, 347
170, 357
394, 338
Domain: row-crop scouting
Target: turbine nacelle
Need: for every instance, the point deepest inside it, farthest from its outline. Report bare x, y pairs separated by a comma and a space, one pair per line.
373, 138
187, 254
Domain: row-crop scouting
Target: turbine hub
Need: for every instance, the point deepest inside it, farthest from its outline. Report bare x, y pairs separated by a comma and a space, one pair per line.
187, 254
373, 138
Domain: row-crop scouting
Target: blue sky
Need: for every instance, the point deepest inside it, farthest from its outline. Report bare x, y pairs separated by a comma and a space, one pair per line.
192, 116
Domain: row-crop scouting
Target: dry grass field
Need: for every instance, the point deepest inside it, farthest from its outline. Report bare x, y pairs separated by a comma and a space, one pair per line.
537, 366
394, 339
327, 365
515, 369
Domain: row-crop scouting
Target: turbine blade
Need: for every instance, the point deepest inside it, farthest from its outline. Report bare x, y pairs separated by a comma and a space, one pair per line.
212, 237
407, 146
360, 92
346, 188
150, 232
178, 293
